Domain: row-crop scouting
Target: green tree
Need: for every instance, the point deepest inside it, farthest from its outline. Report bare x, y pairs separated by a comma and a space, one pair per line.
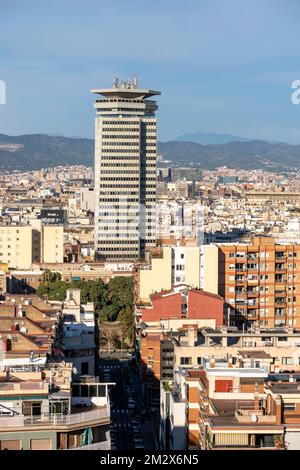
109, 313
125, 318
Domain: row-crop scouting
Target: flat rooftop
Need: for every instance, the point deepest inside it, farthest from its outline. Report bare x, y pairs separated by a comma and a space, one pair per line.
234, 333
285, 388
254, 354
129, 93
237, 371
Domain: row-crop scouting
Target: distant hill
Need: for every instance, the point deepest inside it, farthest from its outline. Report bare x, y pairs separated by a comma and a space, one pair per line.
255, 154
35, 151
210, 138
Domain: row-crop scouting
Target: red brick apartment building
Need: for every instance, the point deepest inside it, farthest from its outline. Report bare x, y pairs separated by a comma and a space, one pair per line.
260, 282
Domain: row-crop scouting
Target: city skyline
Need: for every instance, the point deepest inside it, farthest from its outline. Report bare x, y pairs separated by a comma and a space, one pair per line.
233, 78
149, 289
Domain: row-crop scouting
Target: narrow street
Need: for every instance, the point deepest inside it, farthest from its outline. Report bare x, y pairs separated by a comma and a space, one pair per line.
131, 425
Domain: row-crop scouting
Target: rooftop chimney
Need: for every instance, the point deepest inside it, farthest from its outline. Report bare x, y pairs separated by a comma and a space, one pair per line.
191, 336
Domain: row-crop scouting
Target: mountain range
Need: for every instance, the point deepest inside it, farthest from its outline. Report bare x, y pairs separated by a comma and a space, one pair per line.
205, 138
35, 151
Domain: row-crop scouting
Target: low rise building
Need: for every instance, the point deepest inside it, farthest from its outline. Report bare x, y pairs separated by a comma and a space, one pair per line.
42, 408
79, 333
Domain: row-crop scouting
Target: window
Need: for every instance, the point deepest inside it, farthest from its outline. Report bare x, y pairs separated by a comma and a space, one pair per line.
182, 256
84, 391
289, 406
223, 386
287, 361
75, 390
10, 444
185, 360
179, 267
101, 390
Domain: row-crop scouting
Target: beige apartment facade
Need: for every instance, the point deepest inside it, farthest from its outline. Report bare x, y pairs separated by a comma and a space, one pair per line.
22, 245
194, 266
53, 244
16, 243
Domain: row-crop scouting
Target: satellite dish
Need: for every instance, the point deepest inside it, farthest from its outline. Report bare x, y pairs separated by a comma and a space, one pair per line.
254, 418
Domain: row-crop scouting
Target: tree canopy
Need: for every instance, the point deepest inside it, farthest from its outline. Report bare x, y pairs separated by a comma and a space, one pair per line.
113, 301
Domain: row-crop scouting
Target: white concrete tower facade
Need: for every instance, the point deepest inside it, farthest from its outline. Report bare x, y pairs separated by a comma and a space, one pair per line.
125, 171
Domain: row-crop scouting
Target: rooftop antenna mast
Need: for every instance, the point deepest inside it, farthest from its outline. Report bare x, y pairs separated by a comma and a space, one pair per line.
135, 82
115, 83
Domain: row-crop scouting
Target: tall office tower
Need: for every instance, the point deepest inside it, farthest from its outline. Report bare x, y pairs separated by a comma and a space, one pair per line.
125, 171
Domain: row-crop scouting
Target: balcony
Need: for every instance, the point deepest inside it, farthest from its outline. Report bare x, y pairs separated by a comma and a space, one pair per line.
50, 420
252, 293
104, 445
13, 388
252, 256
282, 303
252, 267
280, 279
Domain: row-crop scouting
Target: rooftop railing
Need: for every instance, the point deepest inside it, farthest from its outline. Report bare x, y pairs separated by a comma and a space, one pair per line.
53, 420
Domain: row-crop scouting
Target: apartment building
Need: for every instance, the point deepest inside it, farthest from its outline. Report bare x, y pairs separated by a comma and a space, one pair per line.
43, 408
174, 265
22, 245
260, 282
16, 246
125, 171
79, 333
275, 350
27, 327
221, 407
52, 244
182, 311
45, 403
183, 302
87, 198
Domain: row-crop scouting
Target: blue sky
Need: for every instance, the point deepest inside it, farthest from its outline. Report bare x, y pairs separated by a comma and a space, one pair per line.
222, 66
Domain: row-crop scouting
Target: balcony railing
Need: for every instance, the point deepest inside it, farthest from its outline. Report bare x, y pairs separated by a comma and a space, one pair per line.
245, 415
53, 420
18, 387
105, 445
